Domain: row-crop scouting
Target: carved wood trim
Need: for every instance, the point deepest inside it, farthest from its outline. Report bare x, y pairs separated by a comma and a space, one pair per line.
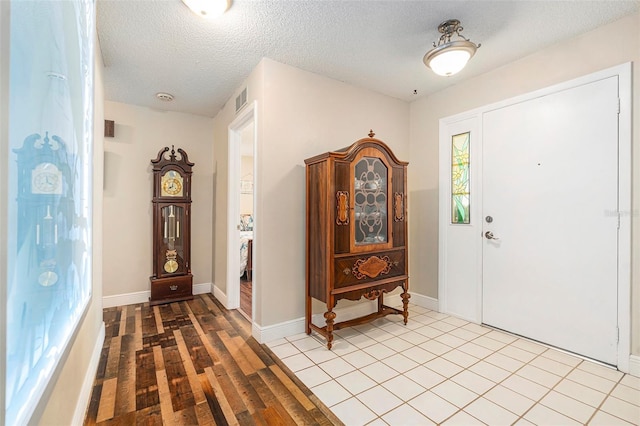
342, 207
371, 267
398, 207
374, 294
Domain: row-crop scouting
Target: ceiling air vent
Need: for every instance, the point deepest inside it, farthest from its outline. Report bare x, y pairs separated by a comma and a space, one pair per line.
241, 100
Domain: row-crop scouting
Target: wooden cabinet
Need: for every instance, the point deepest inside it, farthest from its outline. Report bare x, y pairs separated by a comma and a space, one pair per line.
356, 231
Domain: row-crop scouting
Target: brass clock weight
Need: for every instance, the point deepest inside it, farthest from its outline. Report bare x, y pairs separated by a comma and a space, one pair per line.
172, 279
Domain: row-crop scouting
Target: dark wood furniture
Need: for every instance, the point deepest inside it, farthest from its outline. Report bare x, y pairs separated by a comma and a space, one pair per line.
356, 231
171, 280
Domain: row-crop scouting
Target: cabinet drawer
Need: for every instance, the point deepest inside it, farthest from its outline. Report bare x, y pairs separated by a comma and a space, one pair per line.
171, 288
368, 267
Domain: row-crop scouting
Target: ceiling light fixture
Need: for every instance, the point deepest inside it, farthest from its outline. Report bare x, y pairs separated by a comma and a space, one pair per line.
208, 8
449, 57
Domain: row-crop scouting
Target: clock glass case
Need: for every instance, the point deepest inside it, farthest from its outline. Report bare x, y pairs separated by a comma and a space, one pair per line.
173, 239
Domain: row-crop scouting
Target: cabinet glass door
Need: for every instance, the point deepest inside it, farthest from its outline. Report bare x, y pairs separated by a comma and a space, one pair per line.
370, 189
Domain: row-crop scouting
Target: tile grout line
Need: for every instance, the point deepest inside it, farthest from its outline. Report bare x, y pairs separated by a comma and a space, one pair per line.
362, 331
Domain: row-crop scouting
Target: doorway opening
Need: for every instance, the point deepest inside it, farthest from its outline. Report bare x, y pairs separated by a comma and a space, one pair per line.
241, 277
246, 220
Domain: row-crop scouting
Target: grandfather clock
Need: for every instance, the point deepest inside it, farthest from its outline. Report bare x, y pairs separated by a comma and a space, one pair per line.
172, 280
45, 209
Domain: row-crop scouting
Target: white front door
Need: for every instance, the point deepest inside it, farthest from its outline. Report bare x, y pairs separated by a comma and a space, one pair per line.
550, 199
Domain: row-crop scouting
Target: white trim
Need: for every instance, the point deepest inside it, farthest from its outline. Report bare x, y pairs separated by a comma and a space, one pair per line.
416, 299
425, 302
220, 296
277, 331
634, 365
624, 210
245, 117
126, 299
202, 288
87, 384
623, 72
143, 296
296, 326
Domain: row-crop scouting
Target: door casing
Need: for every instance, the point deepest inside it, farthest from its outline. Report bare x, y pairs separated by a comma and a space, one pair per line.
246, 117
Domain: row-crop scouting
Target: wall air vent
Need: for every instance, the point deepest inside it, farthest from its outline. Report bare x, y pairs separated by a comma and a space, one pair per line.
241, 100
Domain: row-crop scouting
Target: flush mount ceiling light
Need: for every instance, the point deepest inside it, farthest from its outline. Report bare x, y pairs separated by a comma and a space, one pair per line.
449, 57
208, 8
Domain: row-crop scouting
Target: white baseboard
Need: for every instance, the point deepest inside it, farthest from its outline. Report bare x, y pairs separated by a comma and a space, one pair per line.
143, 296
277, 331
296, 326
220, 295
87, 384
634, 365
126, 299
424, 301
202, 288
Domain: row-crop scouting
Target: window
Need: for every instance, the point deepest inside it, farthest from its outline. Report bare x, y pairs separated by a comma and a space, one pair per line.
460, 178
49, 193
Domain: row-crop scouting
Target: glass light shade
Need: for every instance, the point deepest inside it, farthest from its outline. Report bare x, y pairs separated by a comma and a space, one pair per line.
450, 58
208, 8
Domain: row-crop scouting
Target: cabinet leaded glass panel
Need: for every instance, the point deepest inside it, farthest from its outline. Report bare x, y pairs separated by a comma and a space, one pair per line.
370, 189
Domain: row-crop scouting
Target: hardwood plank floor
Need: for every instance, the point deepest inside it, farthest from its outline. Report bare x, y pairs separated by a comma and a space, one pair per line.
245, 295
194, 363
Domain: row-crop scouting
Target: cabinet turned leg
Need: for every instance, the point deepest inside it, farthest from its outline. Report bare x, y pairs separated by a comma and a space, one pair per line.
307, 315
405, 306
329, 316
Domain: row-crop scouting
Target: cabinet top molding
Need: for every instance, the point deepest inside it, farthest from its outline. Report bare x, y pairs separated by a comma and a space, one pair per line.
348, 153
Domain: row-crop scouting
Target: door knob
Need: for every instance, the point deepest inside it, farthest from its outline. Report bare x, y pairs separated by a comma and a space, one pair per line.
489, 236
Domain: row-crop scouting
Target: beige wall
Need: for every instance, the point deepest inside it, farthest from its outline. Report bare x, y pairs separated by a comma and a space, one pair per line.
300, 115
602, 48
59, 409
139, 134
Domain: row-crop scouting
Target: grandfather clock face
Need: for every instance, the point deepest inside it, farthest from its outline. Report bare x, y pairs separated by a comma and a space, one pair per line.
46, 178
172, 184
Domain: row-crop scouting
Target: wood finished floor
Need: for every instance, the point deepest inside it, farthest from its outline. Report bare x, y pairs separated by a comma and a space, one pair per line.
245, 296
194, 363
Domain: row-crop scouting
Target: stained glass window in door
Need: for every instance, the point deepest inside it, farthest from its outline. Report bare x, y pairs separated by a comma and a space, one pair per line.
460, 178
370, 201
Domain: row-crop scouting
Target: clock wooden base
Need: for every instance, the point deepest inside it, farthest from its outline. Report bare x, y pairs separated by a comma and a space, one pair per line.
171, 289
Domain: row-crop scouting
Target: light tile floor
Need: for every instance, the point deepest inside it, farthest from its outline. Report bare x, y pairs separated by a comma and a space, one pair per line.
441, 369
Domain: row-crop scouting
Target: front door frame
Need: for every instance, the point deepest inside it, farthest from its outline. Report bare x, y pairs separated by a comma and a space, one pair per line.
450, 289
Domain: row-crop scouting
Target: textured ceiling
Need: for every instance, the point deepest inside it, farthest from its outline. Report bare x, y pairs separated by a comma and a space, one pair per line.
151, 46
